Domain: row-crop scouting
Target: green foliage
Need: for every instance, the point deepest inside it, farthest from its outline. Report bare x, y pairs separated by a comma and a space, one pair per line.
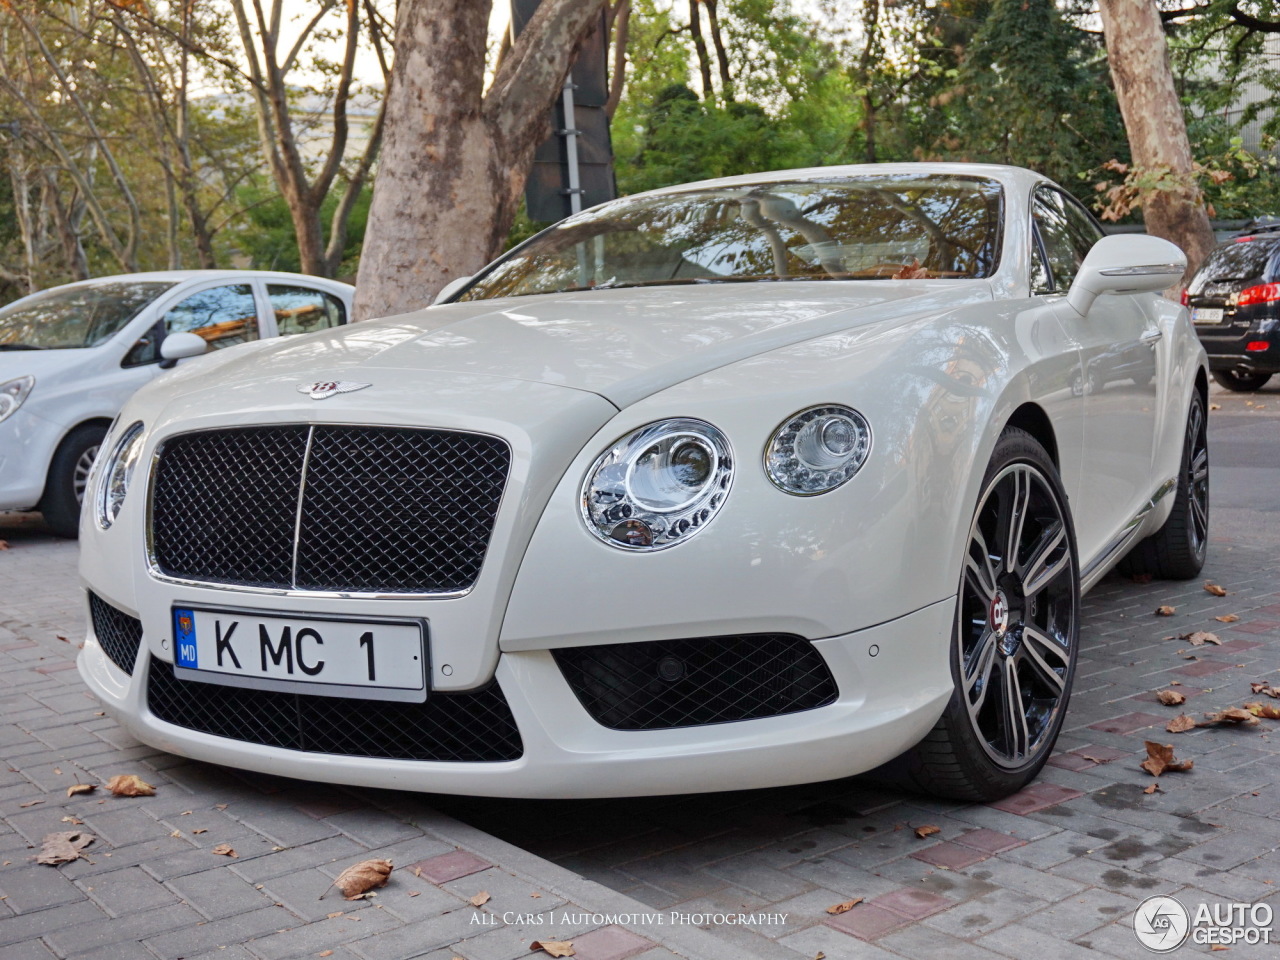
269, 239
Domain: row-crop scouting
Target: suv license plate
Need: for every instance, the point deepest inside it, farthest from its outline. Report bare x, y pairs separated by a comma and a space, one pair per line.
1206, 314
326, 656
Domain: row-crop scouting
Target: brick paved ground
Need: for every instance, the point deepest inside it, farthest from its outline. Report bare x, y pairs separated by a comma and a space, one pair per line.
1055, 872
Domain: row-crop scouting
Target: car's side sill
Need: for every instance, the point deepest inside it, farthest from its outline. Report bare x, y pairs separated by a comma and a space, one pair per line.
1114, 550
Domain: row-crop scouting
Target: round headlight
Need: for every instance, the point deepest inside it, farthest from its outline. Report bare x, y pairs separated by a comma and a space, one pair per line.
658, 485
817, 449
117, 472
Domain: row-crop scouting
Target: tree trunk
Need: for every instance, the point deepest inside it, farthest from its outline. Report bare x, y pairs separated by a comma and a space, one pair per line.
700, 45
454, 158
722, 56
870, 49
618, 75
1153, 120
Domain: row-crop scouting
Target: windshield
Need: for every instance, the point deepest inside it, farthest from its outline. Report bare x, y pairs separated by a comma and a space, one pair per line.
67, 317
850, 228
1238, 261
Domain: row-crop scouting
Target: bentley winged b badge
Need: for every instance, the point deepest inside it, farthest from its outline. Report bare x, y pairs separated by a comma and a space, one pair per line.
327, 388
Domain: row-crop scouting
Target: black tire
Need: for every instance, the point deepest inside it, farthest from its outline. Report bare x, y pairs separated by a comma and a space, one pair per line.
1176, 551
1241, 382
64, 488
981, 751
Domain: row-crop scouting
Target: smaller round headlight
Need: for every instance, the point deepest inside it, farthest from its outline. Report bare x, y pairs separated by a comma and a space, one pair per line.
817, 449
117, 472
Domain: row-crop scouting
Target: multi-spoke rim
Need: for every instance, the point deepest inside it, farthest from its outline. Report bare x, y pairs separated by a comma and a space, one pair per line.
80, 475
1197, 479
1017, 616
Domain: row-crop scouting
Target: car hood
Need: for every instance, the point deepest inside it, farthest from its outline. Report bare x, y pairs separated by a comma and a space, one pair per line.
41, 363
620, 344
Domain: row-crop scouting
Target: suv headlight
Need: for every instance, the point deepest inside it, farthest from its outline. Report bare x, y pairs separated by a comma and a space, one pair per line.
817, 449
12, 393
658, 485
117, 472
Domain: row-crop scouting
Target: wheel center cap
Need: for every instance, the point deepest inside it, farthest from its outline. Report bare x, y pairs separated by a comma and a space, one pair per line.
998, 614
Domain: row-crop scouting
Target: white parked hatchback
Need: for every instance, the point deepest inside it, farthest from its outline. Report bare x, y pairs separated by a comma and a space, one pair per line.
72, 355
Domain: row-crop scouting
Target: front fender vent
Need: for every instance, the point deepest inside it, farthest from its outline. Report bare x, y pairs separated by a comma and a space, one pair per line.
663, 684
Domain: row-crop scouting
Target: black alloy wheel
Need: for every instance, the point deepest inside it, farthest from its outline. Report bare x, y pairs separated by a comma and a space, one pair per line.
1017, 616
1015, 638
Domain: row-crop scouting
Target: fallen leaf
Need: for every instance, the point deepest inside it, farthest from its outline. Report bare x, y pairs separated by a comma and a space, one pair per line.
819, 956
1227, 618
1265, 688
185, 813
1230, 715
1171, 698
536, 896
912, 271
1153, 788
554, 948
1215, 406
29, 803
480, 899
334, 915
4, 544
1200, 637
1086, 756
57, 771
130, 785
176, 833
414, 893
845, 907
1218, 948
77, 820
76, 788
1181, 724
1160, 760
201, 830
1264, 710
1165, 611
927, 831
1217, 591
325, 953
220, 806
63, 847
224, 850
362, 877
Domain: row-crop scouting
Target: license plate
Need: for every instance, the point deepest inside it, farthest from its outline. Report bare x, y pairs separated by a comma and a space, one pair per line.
327, 656
1206, 314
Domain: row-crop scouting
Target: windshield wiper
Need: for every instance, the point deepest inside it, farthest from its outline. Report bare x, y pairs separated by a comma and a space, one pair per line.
21, 346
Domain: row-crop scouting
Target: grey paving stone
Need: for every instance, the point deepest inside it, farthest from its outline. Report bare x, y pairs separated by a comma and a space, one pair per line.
38, 887
980, 915
128, 890
1036, 883
219, 893
225, 932
922, 942
310, 939
1022, 942
414, 939
127, 930
1080, 913
321, 853
28, 950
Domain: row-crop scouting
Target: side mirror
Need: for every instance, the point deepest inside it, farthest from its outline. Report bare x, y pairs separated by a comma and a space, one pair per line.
1126, 263
178, 346
450, 288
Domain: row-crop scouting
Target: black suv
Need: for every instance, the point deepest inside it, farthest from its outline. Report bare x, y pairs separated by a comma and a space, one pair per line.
1234, 300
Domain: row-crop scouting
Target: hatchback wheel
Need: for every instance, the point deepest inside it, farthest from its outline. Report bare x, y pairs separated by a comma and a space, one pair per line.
67, 483
1016, 634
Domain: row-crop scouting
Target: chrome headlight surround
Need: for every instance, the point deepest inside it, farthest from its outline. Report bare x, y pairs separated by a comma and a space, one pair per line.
818, 449
658, 485
12, 393
116, 474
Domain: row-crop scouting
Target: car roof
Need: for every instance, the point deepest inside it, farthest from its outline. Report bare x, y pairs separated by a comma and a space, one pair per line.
180, 276
1010, 176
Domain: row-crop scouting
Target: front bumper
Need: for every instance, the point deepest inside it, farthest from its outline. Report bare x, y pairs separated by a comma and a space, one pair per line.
888, 700
27, 443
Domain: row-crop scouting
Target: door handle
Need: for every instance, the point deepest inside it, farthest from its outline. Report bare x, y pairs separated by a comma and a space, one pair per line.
1152, 336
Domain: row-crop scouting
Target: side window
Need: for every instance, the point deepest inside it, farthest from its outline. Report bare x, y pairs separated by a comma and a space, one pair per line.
1069, 233
1041, 282
223, 316
303, 310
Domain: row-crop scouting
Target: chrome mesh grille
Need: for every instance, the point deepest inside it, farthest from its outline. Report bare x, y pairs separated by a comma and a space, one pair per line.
472, 727
355, 509
683, 683
118, 634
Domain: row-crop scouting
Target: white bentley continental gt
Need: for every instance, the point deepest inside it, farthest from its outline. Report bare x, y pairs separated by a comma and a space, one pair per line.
756, 481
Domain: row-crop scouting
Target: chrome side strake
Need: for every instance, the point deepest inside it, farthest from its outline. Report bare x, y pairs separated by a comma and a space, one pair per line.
297, 517
1101, 563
